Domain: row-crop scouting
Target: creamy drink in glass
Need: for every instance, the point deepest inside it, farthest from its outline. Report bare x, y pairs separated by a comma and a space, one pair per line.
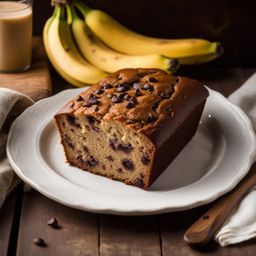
15, 35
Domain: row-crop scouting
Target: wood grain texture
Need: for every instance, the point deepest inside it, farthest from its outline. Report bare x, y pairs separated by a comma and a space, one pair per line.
6, 219
78, 235
127, 236
36, 81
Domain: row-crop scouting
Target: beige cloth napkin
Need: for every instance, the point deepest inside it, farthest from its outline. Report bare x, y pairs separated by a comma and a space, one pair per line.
12, 104
241, 225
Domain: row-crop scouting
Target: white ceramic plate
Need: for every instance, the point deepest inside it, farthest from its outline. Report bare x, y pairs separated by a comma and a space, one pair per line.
215, 160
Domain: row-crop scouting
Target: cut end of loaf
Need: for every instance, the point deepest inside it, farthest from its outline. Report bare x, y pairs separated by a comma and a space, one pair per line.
107, 148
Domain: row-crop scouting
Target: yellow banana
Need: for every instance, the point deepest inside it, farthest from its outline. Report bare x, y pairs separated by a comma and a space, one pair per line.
198, 59
108, 60
62, 50
52, 60
126, 41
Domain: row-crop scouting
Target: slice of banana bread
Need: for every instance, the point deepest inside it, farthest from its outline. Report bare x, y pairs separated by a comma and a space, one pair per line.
131, 125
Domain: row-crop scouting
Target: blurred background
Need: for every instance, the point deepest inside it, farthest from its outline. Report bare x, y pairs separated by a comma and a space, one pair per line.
233, 23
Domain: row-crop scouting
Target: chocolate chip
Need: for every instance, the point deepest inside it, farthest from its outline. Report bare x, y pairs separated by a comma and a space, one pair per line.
139, 183
136, 86
138, 92
39, 241
121, 95
99, 91
79, 98
53, 222
110, 158
127, 148
127, 97
109, 95
128, 164
145, 160
152, 79
115, 99
130, 104
121, 89
148, 87
91, 120
71, 119
119, 170
91, 101
92, 162
86, 149
107, 86
115, 145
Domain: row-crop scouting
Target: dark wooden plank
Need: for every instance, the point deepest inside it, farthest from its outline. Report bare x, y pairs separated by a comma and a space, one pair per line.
127, 236
77, 236
6, 219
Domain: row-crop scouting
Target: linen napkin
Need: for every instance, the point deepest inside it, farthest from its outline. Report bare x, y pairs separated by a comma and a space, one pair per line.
12, 104
241, 225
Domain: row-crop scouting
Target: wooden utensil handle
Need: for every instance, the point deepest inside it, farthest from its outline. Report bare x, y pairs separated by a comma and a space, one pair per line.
204, 228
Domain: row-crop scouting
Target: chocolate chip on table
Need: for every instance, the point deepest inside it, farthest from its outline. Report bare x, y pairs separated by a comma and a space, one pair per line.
148, 87
130, 104
152, 79
145, 160
53, 222
136, 86
99, 91
128, 164
39, 241
115, 99
138, 92
139, 183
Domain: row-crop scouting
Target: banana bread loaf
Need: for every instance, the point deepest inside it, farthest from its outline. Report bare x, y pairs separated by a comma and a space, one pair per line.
131, 125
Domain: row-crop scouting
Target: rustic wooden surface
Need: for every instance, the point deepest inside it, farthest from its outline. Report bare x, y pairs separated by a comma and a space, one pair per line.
36, 81
84, 233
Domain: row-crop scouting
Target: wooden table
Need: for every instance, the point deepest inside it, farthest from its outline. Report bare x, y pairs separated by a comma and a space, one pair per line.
24, 216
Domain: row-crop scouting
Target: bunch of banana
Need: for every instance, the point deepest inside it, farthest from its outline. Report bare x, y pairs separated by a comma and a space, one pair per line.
89, 62
84, 50
63, 53
121, 39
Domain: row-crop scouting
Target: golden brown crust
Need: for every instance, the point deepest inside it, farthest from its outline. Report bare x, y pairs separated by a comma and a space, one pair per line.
139, 98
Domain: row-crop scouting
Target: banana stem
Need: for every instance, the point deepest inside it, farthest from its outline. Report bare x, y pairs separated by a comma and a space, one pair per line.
84, 9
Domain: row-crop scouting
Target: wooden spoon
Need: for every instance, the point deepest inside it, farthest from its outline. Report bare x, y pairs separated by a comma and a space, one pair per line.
205, 228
